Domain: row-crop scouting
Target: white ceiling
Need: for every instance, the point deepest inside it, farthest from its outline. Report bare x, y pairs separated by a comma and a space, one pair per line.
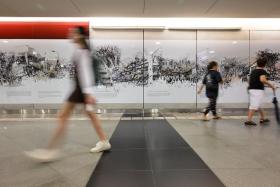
141, 8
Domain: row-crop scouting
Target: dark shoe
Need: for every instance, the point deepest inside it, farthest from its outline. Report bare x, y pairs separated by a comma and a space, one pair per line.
264, 121
250, 123
217, 117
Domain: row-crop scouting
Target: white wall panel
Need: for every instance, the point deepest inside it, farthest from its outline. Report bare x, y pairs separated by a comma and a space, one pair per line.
231, 50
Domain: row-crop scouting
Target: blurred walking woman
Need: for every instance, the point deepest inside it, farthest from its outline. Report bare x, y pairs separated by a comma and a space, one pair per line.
82, 94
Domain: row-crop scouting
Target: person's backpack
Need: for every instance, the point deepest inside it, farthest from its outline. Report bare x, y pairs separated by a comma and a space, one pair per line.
100, 72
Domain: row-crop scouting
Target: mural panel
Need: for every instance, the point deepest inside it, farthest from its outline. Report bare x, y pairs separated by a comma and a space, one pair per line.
171, 68
35, 71
122, 54
266, 44
231, 50
151, 68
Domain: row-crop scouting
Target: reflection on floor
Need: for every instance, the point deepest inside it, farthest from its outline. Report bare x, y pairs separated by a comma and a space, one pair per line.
238, 155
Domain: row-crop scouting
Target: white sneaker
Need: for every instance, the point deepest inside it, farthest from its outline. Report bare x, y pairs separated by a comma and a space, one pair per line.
101, 146
44, 155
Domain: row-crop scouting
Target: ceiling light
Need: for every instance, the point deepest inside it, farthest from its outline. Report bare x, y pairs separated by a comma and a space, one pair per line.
5, 41
129, 27
164, 23
211, 52
234, 42
204, 28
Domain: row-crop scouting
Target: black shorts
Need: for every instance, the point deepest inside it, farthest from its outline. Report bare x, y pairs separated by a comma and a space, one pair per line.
76, 96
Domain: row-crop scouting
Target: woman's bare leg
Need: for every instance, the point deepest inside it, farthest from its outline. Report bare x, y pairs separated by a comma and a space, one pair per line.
97, 125
62, 125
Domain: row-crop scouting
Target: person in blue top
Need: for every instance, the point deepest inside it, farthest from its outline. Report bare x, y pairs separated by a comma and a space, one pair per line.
211, 81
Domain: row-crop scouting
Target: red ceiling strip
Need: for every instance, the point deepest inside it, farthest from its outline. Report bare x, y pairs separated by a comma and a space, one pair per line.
37, 30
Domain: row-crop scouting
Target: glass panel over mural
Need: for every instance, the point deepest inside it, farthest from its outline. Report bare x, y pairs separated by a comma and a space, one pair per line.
231, 50
35, 71
122, 53
151, 69
266, 44
171, 69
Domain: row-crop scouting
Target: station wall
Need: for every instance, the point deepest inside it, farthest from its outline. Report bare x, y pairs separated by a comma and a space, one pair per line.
148, 68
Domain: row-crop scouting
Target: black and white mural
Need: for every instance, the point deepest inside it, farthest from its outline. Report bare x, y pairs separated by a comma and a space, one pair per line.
122, 54
231, 51
171, 68
35, 71
161, 69
156, 71
266, 44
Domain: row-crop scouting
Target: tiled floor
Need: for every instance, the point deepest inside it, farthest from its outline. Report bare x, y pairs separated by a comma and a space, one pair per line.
162, 158
73, 170
238, 155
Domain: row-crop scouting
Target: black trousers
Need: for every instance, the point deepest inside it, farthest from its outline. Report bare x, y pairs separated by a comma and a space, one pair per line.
211, 106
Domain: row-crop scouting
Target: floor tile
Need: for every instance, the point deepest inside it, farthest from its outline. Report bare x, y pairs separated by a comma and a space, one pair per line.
122, 179
226, 158
70, 163
166, 142
187, 178
56, 182
204, 141
128, 142
8, 147
32, 176
80, 177
176, 159
116, 160
129, 128
249, 177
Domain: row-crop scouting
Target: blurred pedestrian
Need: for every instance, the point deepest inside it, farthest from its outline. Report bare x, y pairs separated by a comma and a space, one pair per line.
82, 94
